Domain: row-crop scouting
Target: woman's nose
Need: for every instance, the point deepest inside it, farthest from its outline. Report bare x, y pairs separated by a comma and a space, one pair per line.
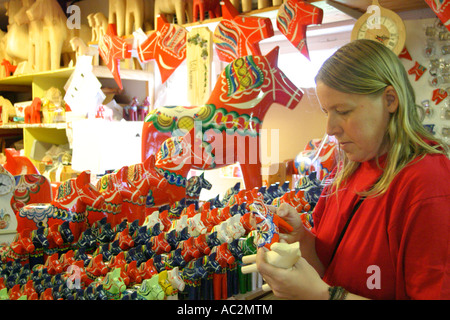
333, 128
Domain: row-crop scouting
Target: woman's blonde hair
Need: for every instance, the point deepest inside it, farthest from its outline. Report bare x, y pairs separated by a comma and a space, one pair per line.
368, 67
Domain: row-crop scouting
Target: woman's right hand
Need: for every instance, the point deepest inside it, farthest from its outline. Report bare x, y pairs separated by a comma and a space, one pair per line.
291, 216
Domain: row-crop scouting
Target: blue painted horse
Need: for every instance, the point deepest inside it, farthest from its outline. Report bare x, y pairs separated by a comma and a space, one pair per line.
196, 276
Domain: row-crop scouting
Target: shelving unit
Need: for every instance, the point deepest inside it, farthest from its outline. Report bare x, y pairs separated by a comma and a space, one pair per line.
39, 83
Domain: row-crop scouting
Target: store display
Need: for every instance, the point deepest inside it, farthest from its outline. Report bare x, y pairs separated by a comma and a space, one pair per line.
293, 17
238, 35
382, 25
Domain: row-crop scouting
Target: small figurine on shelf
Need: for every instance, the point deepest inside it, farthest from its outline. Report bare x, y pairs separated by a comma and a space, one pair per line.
9, 68
33, 111
144, 108
53, 106
130, 112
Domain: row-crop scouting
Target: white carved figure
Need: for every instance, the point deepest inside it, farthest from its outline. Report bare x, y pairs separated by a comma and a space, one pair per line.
48, 32
153, 219
17, 38
180, 8
134, 15
117, 15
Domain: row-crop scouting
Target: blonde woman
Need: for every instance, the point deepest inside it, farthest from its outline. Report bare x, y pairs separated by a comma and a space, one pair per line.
381, 229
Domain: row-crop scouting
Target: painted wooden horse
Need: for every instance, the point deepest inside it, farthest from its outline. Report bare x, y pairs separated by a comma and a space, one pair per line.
19, 249
40, 243
30, 188
33, 111
113, 284
292, 20
150, 289
196, 271
223, 131
151, 185
116, 189
171, 282
70, 203
225, 259
238, 35
194, 186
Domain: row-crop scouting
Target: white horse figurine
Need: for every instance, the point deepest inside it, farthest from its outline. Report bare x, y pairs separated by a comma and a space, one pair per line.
196, 226
222, 233
176, 284
179, 224
151, 220
234, 226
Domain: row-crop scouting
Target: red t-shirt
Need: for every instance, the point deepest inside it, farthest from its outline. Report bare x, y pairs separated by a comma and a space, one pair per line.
397, 245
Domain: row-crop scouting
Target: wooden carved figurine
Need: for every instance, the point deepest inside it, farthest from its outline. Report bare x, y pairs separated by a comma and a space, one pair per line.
281, 255
238, 35
19, 249
33, 111
17, 164
48, 15
117, 15
9, 68
199, 137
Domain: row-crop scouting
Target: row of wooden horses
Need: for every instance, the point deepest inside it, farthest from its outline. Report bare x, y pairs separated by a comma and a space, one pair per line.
198, 254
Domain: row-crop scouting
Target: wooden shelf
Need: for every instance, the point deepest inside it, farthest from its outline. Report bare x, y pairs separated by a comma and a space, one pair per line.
61, 125
27, 79
65, 73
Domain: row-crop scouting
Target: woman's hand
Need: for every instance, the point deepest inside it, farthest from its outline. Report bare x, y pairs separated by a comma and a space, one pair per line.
300, 282
291, 216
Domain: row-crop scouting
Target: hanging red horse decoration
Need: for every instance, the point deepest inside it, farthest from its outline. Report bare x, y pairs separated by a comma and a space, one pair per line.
225, 130
112, 49
292, 19
239, 35
166, 45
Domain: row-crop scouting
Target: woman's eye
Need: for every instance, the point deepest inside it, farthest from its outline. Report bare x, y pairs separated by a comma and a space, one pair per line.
342, 112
